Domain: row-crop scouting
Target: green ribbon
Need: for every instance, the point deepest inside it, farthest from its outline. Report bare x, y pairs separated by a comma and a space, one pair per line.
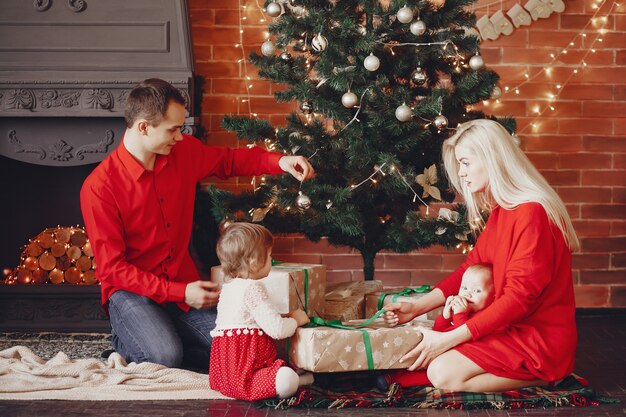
404, 293
320, 322
276, 264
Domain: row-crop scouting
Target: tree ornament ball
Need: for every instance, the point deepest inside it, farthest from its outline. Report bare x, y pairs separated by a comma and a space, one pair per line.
303, 201
268, 48
306, 107
285, 56
437, 4
349, 100
274, 9
419, 76
371, 63
441, 122
476, 62
319, 43
496, 93
404, 113
418, 27
405, 14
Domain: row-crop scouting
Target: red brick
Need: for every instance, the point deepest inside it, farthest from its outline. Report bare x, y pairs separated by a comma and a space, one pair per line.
573, 210
589, 228
620, 126
604, 109
612, 177
338, 276
544, 160
556, 38
618, 260
584, 126
604, 244
602, 74
620, 57
510, 73
215, 35
610, 40
262, 105
619, 161
524, 55
618, 228
254, 34
220, 104
602, 277
561, 177
590, 261
586, 92
283, 244
406, 261
585, 194
347, 261
223, 138
588, 296
619, 195
517, 38
561, 108
584, 160
323, 247
618, 296
400, 279
238, 86
605, 143
218, 69
298, 257
452, 262
202, 17
541, 126
491, 55
604, 211
560, 143
423, 277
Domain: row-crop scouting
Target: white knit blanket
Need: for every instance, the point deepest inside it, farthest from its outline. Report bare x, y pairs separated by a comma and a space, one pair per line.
24, 376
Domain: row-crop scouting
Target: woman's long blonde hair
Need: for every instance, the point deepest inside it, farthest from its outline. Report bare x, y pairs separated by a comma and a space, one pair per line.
513, 179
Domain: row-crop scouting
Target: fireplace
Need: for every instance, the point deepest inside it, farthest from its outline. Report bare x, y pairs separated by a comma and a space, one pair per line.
66, 67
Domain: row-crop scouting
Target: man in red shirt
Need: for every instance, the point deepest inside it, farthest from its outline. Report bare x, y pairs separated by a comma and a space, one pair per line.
138, 205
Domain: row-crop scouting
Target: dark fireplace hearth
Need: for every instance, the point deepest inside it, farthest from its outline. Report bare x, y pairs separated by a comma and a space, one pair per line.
65, 70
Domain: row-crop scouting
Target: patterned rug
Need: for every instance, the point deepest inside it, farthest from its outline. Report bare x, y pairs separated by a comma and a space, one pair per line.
572, 391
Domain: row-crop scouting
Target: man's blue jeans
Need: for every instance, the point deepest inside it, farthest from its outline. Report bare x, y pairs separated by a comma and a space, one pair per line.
144, 331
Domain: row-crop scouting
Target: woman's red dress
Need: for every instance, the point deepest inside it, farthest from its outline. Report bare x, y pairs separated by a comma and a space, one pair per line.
529, 331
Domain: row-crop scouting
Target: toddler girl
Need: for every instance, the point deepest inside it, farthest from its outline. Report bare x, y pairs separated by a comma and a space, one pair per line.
243, 356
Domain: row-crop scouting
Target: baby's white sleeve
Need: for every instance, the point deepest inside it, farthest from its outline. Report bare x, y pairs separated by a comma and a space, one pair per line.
265, 314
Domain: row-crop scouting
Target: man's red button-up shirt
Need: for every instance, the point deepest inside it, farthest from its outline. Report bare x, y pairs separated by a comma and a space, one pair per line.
139, 221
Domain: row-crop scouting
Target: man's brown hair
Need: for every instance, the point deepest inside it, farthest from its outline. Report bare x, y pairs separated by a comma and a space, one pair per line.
149, 100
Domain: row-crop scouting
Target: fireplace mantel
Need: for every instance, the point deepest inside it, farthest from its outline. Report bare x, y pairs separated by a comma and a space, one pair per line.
66, 67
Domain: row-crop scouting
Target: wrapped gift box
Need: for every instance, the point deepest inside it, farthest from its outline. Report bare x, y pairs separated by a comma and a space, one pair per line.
349, 308
327, 349
291, 286
388, 295
352, 288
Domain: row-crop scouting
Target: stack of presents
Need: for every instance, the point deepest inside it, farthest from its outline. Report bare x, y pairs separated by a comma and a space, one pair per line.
346, 332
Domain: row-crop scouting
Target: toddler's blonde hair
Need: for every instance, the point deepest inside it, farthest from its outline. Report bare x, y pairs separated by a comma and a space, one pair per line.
242, 248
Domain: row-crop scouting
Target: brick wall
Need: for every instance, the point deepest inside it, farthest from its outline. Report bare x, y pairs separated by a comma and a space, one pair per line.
580, 146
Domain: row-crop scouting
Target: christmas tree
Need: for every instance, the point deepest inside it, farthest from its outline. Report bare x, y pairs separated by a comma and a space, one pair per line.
380, 85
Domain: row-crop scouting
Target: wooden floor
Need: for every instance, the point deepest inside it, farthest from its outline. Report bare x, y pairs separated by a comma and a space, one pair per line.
601, 358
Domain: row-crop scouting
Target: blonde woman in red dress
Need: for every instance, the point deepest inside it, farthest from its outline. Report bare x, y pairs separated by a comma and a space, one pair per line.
527, 336
243, 356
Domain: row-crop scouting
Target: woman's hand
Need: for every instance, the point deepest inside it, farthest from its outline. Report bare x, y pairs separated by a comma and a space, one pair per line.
399, 313
434, 344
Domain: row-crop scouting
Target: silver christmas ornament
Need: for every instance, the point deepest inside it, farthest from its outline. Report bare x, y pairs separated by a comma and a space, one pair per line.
496, 93
306, 107
440, 122
404, 113
268, 48
476, 62
405, 14
371, 63
275, 9
285, 56
319, 43
303, 201
418, 27
419, 76
349, 100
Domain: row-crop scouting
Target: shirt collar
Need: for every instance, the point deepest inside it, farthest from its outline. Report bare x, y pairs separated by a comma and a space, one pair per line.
134, 168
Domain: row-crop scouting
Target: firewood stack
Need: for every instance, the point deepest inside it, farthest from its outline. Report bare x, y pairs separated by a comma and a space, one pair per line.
57, 255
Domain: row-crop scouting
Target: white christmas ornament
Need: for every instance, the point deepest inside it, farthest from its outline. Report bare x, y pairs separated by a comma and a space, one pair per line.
268, 48
496, 93
371, 63
441, 122
349, 100
476, 62
303, 201
418, 27
404, 113
319, 43
405, 14
275, 9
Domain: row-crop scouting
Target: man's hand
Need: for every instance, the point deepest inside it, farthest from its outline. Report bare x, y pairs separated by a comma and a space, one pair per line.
298, 166
202, 294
